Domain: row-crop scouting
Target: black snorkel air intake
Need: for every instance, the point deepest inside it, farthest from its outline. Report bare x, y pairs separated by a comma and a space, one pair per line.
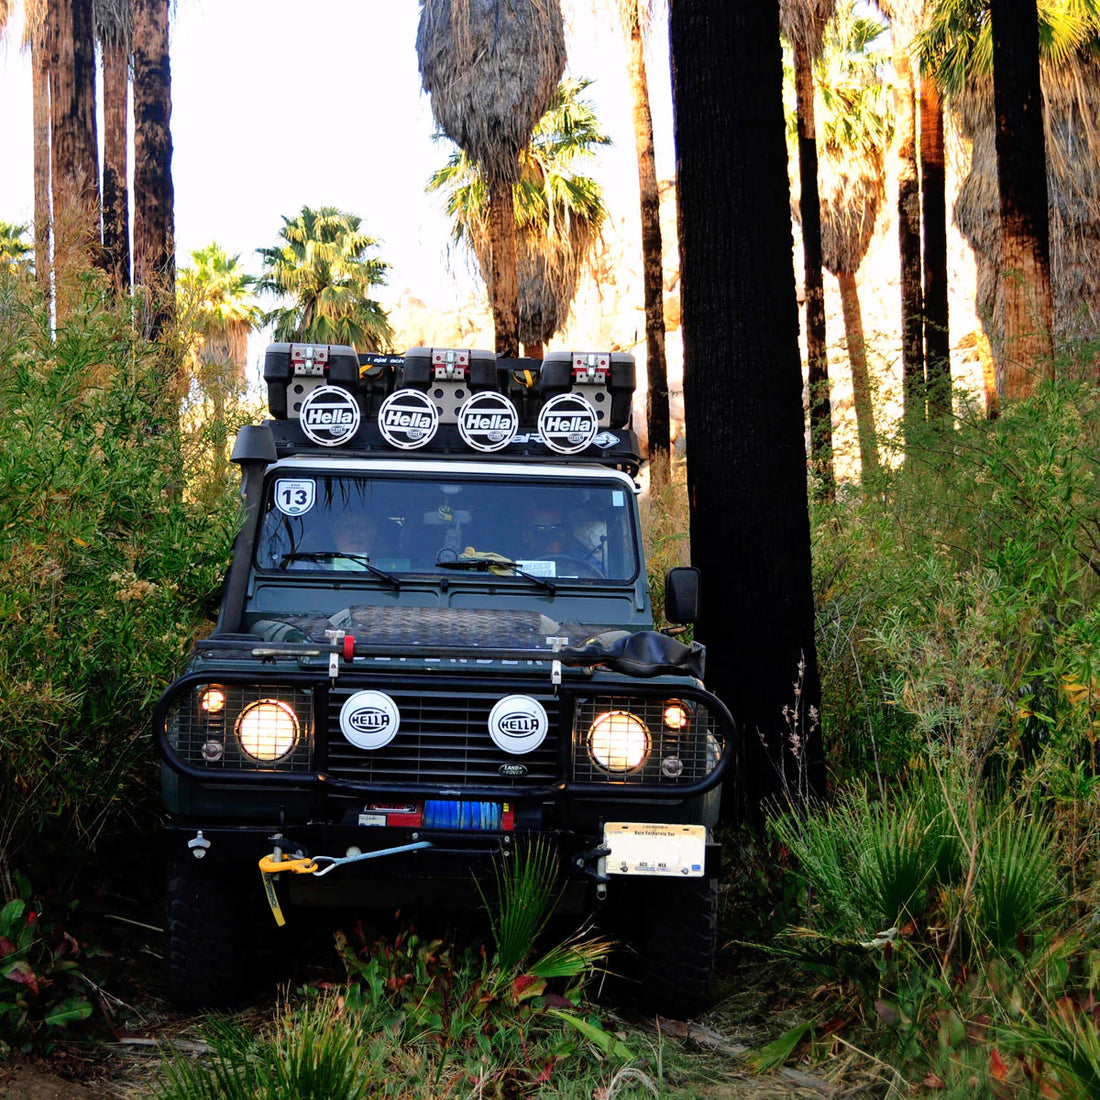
253, 451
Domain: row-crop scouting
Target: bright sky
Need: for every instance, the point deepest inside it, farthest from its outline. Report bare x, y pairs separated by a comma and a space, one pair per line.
276, 104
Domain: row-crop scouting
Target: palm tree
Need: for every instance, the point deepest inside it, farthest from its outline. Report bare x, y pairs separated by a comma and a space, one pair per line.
803, 23
491, 68
1022, 184
746, 458
559, 212
154, 195
957, 47
321, 264
74, 146
905, 22
658, 431
856, 124
216, 296
35, 39
16, 254
114, 30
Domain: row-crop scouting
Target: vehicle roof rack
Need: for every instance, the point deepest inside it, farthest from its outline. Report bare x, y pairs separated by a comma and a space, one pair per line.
450, 401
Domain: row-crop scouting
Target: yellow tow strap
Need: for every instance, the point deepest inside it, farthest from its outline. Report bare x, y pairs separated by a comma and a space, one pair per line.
269, 868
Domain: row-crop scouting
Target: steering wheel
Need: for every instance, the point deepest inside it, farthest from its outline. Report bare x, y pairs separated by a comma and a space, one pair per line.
571, 561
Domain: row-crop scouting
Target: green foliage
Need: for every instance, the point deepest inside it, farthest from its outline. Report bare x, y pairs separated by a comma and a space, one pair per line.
316, 1052
41, 991
110, 564
16, 252
321, 264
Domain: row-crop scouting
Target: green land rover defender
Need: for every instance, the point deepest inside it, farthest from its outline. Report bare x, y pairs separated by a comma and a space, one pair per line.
436, 644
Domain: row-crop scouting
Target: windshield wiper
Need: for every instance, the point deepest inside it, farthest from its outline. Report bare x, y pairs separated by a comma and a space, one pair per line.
485, 564
333, 555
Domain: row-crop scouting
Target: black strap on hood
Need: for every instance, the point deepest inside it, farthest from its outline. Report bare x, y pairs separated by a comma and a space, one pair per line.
647, 653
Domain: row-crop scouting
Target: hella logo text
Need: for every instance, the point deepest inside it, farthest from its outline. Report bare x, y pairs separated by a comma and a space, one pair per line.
369, 720
518, 724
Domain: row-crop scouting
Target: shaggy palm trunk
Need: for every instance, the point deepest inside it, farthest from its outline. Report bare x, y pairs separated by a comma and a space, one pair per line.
750, 532
657, 409
116, 194
861, 377
937, 344
534, 351
817, 362
909, 247
74, 158
40, 90
154, 248
504, 287
1028, 357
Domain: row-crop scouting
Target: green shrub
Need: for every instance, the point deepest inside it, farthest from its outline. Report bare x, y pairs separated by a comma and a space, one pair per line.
41, 991
110, 564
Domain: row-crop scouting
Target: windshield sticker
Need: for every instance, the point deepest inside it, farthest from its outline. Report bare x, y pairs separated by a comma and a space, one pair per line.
294, 497
538, 568
618, 498
408, 419
330, 416
488, 421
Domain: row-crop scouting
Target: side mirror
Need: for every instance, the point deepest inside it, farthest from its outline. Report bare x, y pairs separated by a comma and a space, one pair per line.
682, 594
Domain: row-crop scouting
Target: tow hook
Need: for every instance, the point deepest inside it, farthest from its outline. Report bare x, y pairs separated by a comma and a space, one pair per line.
198, 845
591, 863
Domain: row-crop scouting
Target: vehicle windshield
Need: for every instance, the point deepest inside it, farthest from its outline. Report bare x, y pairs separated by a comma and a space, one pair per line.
527, 529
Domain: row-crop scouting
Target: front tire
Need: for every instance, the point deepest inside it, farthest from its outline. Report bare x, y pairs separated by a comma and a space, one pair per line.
205, 950
672, 927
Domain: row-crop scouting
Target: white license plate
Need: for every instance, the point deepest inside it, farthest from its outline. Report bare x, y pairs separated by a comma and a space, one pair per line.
672, 851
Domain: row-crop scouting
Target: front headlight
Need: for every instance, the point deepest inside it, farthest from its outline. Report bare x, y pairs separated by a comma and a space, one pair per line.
618, 741
267, 730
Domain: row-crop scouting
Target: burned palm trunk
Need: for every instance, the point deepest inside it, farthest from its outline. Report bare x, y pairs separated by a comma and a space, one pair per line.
154, 231
743, 388
821, 415
1027, 350
937, 344
914, 395
657, 409
74, 159
116, 191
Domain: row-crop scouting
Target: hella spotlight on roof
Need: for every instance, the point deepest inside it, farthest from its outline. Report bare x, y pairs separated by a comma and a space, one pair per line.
568, 423
487, 421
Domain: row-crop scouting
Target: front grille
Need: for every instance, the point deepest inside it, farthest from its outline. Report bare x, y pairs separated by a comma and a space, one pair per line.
443, 739
673, 757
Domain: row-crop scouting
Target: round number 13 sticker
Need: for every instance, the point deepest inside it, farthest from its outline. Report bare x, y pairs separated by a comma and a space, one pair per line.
294, 497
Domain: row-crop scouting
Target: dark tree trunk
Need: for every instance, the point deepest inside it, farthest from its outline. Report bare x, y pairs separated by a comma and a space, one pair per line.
657, 411
1022, 181
861, 378
503, 287
817, 362
116, 193
933, 186
74, 153
154, 229
912, 342
750, 531
40, 76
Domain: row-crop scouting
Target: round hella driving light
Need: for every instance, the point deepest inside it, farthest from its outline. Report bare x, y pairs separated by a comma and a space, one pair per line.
618, 741
267, 730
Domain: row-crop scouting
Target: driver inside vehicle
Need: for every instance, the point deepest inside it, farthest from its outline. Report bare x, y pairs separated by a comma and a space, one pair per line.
547, 533
355, 535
